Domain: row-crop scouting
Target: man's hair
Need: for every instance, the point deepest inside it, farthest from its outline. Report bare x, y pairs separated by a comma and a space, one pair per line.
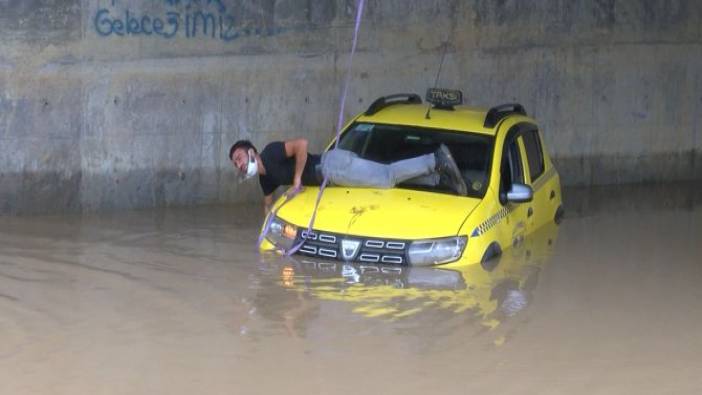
245, 144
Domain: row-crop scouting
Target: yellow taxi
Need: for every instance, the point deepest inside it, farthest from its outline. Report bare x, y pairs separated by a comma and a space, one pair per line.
513, 188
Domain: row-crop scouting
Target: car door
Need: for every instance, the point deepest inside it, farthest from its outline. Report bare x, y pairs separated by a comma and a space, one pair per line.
539, 210
513, 171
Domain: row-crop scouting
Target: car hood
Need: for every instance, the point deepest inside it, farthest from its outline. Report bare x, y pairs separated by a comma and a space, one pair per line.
386, 213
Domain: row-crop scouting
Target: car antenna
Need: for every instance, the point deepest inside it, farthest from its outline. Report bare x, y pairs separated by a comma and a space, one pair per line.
438, 74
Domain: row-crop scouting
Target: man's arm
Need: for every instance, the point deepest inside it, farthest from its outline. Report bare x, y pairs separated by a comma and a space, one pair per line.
297, 148
267, 203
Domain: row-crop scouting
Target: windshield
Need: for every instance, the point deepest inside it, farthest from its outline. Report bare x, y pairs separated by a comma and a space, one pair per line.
390, 143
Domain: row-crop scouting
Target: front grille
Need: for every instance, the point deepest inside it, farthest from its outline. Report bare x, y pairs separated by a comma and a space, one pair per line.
368, 250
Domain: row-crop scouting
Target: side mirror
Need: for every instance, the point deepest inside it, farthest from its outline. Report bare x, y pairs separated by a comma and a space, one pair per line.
520, 193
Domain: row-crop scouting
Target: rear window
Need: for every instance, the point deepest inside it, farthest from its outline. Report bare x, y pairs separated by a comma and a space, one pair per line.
390, 143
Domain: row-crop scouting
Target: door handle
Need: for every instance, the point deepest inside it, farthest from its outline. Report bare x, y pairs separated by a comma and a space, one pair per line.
530, 212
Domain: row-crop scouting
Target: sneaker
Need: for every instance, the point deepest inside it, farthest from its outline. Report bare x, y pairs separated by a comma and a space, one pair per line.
448, 170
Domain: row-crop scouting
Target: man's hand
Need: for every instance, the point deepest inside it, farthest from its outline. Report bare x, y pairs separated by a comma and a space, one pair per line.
297, 185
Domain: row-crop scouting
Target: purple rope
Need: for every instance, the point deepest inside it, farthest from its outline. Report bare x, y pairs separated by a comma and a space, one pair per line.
340, 122
339, 125
297, 246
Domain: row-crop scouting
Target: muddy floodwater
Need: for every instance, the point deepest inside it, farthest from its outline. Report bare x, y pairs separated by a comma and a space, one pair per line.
178, 302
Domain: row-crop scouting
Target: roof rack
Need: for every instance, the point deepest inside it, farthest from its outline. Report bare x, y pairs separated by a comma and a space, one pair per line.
503, 110
399, 98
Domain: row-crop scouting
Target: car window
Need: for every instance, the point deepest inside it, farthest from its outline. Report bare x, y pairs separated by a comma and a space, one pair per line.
511, 167
390, 143
535, 156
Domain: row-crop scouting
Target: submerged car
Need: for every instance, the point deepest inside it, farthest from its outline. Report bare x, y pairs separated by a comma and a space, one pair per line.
493, 291
513, 188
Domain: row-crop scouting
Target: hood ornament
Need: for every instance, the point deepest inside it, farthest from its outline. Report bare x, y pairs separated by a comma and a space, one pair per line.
349, 249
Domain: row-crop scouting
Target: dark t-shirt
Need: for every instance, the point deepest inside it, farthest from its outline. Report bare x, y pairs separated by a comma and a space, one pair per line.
280, 170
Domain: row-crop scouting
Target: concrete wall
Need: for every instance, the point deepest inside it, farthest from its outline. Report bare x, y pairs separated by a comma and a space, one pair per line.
111, 104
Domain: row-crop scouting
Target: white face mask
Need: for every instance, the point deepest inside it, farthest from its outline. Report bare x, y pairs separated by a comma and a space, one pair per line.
252, 167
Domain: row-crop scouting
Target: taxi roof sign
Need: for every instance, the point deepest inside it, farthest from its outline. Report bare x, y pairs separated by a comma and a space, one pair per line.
444, 98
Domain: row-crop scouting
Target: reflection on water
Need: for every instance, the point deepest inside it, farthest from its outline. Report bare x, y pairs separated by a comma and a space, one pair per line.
178, 301
481, 297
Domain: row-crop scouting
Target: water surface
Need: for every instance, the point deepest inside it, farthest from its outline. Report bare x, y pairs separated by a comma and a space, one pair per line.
178, 301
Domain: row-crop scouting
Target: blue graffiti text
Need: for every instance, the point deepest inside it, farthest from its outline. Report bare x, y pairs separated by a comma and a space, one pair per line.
181, 18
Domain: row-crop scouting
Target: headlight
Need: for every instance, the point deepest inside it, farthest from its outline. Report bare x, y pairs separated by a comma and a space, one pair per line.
436, 251
281, 233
